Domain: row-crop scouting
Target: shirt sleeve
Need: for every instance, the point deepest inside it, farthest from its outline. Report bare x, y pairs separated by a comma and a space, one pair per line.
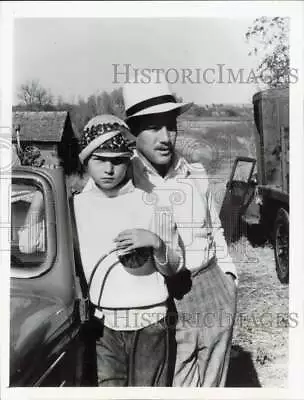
224, 260
170, 259
174, 254
219, 243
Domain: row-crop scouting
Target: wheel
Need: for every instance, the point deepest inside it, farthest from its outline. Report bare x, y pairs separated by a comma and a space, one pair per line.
281, 245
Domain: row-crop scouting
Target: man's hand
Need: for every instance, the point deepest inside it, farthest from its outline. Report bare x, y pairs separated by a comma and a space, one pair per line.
132, 239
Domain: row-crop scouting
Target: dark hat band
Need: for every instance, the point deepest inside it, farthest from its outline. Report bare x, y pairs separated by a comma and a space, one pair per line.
154, 101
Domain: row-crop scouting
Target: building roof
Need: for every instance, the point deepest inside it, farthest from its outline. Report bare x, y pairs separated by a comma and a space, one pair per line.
40, 126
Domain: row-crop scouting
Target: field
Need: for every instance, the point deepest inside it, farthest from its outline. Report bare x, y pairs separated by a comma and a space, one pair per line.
260, 344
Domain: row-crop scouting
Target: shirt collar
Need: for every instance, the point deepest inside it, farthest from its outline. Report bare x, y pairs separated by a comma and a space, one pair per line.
127, 188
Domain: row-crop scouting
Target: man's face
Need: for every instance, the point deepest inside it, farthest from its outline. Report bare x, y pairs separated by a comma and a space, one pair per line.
156, 137
107, 172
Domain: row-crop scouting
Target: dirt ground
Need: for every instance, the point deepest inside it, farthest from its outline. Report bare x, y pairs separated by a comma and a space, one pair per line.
260, 342
259, 355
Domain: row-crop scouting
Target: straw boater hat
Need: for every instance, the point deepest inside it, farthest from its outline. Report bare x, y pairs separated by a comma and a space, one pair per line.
107, 136
153, 97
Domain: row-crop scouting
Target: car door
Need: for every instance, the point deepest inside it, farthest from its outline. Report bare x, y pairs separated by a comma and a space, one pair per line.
44, 306
239, 193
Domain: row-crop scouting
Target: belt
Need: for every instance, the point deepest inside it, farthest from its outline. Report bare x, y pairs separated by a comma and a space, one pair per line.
98, 313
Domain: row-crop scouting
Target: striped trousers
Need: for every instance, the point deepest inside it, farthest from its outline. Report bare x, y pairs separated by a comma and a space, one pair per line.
205, 318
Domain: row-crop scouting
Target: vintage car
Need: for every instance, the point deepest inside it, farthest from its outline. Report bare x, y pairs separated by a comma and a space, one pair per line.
47, 297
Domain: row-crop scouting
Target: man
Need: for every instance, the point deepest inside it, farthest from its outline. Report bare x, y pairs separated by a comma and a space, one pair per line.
179, 190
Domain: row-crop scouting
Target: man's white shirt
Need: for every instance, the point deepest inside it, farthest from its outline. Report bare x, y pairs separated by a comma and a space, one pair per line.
184, 194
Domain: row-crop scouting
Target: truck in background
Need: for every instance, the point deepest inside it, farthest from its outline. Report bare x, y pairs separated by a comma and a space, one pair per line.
258, 189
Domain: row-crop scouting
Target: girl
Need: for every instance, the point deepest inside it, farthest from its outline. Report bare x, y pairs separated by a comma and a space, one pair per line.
127, 287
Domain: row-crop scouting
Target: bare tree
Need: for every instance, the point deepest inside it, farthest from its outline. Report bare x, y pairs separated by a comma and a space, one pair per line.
35, 97
118, 104
270, 40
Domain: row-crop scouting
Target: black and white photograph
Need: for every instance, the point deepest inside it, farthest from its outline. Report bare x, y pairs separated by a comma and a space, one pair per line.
151, 173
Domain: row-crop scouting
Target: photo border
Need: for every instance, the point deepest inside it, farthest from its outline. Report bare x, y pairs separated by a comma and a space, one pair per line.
12, 10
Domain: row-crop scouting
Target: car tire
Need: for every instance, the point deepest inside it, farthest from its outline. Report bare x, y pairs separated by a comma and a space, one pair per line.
281, 245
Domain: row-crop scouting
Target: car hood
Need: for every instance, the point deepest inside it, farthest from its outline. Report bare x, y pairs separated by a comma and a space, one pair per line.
35, 321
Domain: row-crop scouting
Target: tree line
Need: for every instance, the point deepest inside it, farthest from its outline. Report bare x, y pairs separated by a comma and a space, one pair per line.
268, 36
34, 97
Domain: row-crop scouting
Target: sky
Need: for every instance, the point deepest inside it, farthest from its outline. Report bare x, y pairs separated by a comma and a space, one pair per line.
74, 57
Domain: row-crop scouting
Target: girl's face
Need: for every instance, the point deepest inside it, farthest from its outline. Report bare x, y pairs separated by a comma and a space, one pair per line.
108, 172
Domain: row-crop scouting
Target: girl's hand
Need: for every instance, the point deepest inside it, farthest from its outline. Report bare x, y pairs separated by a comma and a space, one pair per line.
132, 239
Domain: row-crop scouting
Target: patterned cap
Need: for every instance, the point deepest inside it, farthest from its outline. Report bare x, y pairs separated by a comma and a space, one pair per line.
106, 135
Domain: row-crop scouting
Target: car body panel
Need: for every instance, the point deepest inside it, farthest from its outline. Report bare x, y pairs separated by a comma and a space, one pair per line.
36, 323
271, 115
44, 303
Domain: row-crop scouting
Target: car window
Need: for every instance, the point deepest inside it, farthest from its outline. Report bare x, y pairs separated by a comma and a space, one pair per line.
28, 225
242, 171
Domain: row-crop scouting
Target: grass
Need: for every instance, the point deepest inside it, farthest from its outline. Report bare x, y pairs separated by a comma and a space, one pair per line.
215, 145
